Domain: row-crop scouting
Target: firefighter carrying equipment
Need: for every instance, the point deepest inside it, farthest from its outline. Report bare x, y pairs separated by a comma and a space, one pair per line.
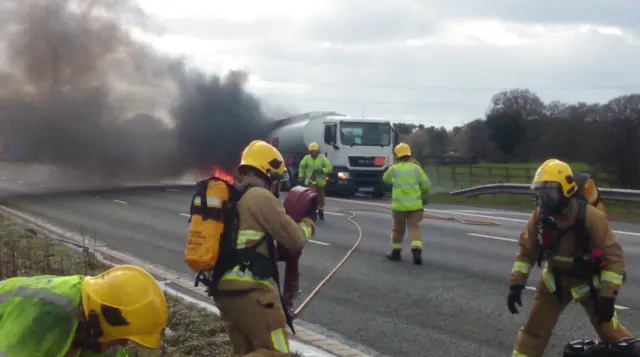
402, 150
626, 347
313, 171
124, 302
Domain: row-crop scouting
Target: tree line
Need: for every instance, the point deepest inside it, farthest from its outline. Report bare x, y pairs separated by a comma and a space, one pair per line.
520, 127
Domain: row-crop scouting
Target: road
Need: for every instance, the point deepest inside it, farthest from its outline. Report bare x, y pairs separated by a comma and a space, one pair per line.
454, 304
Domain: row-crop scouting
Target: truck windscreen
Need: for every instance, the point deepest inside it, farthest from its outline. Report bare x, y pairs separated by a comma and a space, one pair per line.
365, 134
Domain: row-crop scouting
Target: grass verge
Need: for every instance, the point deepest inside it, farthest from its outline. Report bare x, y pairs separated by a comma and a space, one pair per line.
193, 331
615, 210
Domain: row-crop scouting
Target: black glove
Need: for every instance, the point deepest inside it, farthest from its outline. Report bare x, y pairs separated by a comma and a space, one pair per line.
605, 308
515, 296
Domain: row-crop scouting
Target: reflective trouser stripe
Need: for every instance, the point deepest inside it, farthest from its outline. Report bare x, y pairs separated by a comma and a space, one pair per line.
247, 237
516, 353
583, 290
395, 245
416, 244
548, 279
522, 267
279, 341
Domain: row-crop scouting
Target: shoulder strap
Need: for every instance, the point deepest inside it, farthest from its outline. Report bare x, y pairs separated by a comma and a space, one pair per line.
582, 231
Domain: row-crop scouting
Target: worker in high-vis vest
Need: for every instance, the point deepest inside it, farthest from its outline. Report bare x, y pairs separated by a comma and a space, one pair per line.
410, 191
313, 169
81, 315
248, 295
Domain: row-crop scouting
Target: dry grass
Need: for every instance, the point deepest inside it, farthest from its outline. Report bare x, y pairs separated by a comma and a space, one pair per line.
193, 331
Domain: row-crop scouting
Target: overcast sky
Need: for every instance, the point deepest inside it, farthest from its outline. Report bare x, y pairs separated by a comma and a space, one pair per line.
423, 61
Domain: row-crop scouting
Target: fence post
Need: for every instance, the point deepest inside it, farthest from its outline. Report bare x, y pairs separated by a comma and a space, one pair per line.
508, 174
527, 175
470, 170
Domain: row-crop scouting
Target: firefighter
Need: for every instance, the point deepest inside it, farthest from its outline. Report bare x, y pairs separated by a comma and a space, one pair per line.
81, 315
409, 195
313, 170
584, 262
586, 187
249, 300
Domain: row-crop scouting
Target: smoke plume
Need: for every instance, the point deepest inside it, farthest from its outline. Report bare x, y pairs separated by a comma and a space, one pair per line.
78, 91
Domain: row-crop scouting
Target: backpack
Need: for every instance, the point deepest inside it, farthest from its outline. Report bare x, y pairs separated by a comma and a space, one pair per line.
213, 229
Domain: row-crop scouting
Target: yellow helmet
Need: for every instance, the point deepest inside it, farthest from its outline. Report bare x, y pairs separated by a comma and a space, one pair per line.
554, 172
265, 158
401, 150
313, 147
128, 303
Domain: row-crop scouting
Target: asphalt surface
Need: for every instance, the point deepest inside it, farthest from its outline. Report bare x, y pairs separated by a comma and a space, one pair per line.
453, 305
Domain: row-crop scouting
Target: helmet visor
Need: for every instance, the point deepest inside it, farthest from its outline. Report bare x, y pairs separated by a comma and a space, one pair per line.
549, 196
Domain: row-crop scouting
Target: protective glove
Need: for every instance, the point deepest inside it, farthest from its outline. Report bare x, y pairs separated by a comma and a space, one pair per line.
605, 308
514, 297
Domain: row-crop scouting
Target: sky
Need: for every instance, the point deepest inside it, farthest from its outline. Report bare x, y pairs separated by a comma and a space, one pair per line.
428, 62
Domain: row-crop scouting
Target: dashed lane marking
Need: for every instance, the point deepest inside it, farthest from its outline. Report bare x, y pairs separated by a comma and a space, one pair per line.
121, 202
492, 237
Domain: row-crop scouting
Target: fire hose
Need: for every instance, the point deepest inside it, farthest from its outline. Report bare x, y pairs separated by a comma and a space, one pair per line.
351, 219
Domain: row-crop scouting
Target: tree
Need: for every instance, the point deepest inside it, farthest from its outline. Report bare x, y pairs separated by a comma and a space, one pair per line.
506, 130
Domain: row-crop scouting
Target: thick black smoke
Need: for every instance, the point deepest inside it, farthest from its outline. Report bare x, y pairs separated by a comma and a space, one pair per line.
77, 91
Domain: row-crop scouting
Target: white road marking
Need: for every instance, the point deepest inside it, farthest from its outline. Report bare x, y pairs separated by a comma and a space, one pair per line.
184, 214
318, 242
172, 190
122, 202
334, 213
492, 237
619, 307
453, 212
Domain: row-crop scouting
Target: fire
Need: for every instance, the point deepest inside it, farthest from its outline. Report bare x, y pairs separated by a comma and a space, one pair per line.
220, 173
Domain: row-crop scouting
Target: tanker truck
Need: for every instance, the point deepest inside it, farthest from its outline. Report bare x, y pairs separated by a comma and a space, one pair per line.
360, 149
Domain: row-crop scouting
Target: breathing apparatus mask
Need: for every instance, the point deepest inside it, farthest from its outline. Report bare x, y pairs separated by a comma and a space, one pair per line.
550, 198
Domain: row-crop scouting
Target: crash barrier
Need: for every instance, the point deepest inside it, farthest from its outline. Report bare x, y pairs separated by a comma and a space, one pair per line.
607, 194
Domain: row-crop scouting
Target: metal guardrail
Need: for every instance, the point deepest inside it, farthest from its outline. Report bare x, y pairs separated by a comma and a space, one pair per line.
607, 194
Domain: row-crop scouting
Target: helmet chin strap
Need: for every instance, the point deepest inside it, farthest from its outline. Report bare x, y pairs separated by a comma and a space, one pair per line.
94, 332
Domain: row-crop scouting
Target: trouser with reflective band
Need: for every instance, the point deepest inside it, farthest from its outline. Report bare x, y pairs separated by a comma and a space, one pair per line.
545, 311
255, 323
403, 220
320, 191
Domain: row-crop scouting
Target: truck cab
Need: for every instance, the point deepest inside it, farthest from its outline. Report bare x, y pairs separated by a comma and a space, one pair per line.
360, 149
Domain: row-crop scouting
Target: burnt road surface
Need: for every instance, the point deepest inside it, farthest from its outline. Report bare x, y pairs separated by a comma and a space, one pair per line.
453, 305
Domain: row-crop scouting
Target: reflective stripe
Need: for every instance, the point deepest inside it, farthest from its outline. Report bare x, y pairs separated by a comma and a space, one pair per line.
279, 341
518, 354
42, 294
395, 245
611, 277
563, 259
212, 201
522, 267
247, 237
416, 244
246, 276
583, 290
548, 279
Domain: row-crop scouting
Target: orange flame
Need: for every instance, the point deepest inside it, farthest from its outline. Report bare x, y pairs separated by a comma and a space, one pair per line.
220, 173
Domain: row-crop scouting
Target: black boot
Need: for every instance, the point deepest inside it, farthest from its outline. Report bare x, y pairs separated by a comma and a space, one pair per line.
395, 255
321, 214
417, 256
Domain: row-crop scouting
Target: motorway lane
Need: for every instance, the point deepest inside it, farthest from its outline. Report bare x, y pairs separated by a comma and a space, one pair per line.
454, 304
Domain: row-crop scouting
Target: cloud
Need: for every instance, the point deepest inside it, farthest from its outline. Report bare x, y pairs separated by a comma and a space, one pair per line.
432, 62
